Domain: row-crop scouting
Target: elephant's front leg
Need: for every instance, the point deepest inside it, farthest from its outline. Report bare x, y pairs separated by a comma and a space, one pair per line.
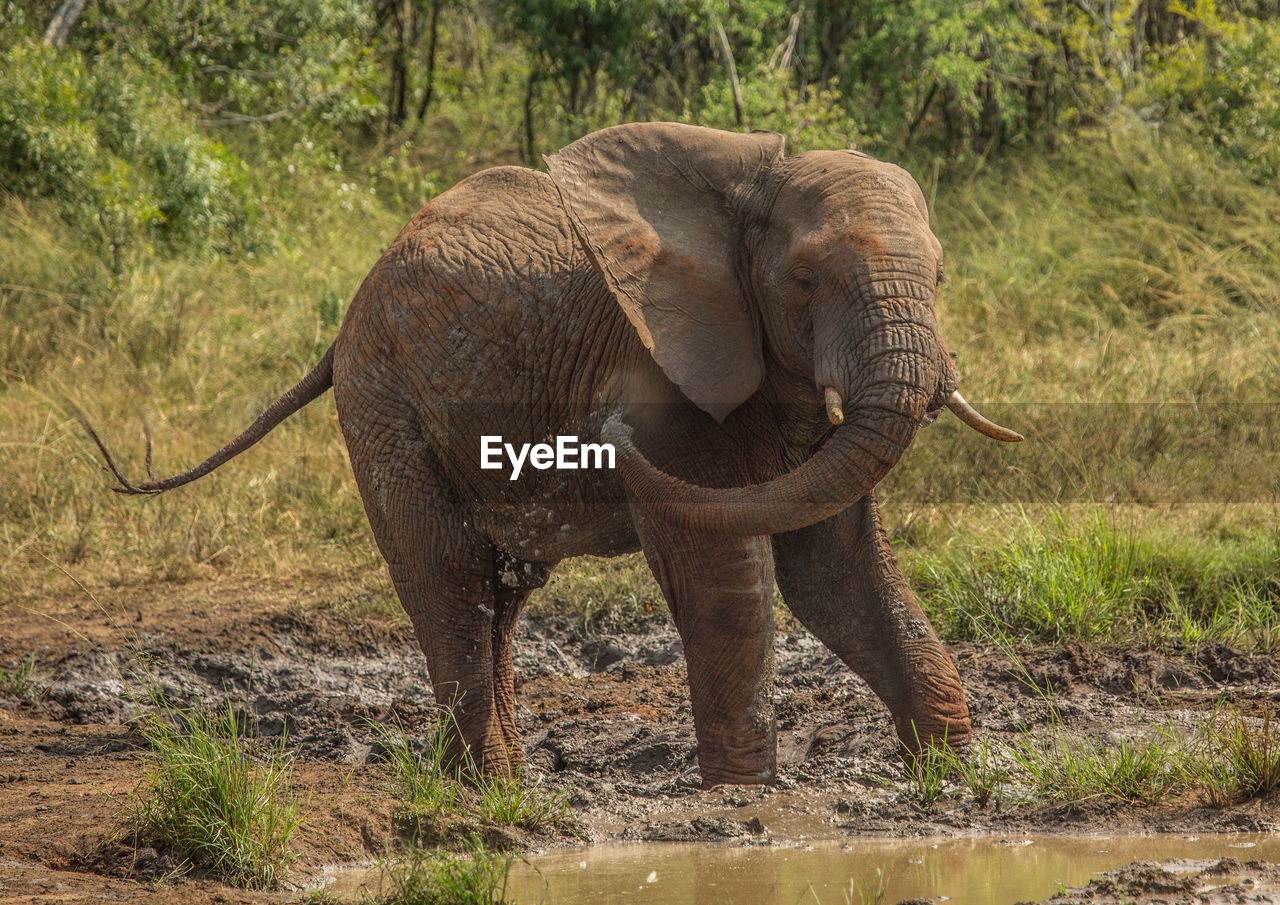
720, 590
841, 580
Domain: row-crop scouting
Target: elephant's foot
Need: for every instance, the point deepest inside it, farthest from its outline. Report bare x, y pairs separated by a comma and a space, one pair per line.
766, 776
933, 731
500, 761
935, 713
490, 755
744, 762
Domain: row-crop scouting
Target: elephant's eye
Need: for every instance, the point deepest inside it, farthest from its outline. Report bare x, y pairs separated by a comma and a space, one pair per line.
804, 281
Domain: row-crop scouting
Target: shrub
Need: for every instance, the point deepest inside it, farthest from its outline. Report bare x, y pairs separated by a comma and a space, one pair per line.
1226, 86
112, 146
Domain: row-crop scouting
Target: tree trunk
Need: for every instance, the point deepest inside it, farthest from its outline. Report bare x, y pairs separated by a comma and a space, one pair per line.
733, 74
63, 21
433, 34
528, 117
397, 100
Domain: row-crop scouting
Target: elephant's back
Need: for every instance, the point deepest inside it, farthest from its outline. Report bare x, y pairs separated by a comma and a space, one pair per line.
500, 224
480, 299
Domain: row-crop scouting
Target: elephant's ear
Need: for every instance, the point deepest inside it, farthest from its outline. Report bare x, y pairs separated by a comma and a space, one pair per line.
654, 204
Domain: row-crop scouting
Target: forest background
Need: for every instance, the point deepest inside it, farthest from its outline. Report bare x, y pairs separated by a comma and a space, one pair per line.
191, 191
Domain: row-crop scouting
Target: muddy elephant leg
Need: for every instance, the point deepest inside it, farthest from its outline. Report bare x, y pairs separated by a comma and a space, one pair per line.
444, 575
842, 581
514, 581
450, 601
720, 590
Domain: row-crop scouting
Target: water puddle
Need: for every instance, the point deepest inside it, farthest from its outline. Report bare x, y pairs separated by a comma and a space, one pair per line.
969, 871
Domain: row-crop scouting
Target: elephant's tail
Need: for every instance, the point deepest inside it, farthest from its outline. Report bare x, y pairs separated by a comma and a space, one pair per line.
318, 380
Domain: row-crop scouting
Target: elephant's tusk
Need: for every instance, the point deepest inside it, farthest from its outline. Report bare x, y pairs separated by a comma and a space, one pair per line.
835, 414
969, 415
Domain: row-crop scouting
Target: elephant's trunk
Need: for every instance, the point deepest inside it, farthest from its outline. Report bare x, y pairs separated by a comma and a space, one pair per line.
859, 453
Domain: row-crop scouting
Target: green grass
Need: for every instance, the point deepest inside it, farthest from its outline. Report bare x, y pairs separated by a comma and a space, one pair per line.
23, 682
429, 877
609, 594
1069, 770
515, 801
216, 796
428, 787
1237, 759
421, 780
1093, 579
1223, 759
981, 772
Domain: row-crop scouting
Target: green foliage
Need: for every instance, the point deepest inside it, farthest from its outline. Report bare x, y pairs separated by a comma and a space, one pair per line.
955, 70
809, 115
303, 61
573, 42
1237, 759
1092, 582
1224, 758
1225, 84
927, 771
619, 593
109, 144
429, 877
422, 780
216, 796
872, 894
1072, 585
1065, 769
23, 681
428, 786
982, 772
515, 801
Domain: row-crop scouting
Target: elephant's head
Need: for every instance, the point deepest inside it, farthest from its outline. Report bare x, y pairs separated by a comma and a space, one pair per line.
724, 253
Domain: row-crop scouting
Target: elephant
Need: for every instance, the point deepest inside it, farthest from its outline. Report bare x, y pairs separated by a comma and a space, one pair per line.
751, 333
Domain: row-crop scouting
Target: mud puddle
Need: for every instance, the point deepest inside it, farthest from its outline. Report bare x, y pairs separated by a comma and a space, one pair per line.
965, 871
605, 718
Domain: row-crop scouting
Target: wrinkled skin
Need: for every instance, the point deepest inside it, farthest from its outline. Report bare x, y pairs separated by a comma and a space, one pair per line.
690, 294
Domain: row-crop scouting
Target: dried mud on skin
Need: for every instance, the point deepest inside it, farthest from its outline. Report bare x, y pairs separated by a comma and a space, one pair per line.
604, 715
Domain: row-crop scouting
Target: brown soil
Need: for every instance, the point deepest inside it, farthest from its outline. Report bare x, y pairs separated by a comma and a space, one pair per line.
1179, 883
604, 714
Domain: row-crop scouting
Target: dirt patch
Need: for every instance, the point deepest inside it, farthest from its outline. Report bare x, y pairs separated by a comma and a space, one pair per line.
605, 718
1179, 883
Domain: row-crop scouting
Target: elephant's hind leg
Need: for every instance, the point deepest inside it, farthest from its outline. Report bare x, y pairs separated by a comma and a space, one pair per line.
444, 574
514, 581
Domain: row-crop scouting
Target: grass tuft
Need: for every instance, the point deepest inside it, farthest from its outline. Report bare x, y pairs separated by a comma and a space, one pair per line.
429, 877
1065, 769
514, 801
1226, 759
23, 681
872, 894
1238, 760
983, 774
216, 795
421, 781
427, 786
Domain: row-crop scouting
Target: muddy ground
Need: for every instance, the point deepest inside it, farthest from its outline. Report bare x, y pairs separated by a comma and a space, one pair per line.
1179, 882
604, 715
